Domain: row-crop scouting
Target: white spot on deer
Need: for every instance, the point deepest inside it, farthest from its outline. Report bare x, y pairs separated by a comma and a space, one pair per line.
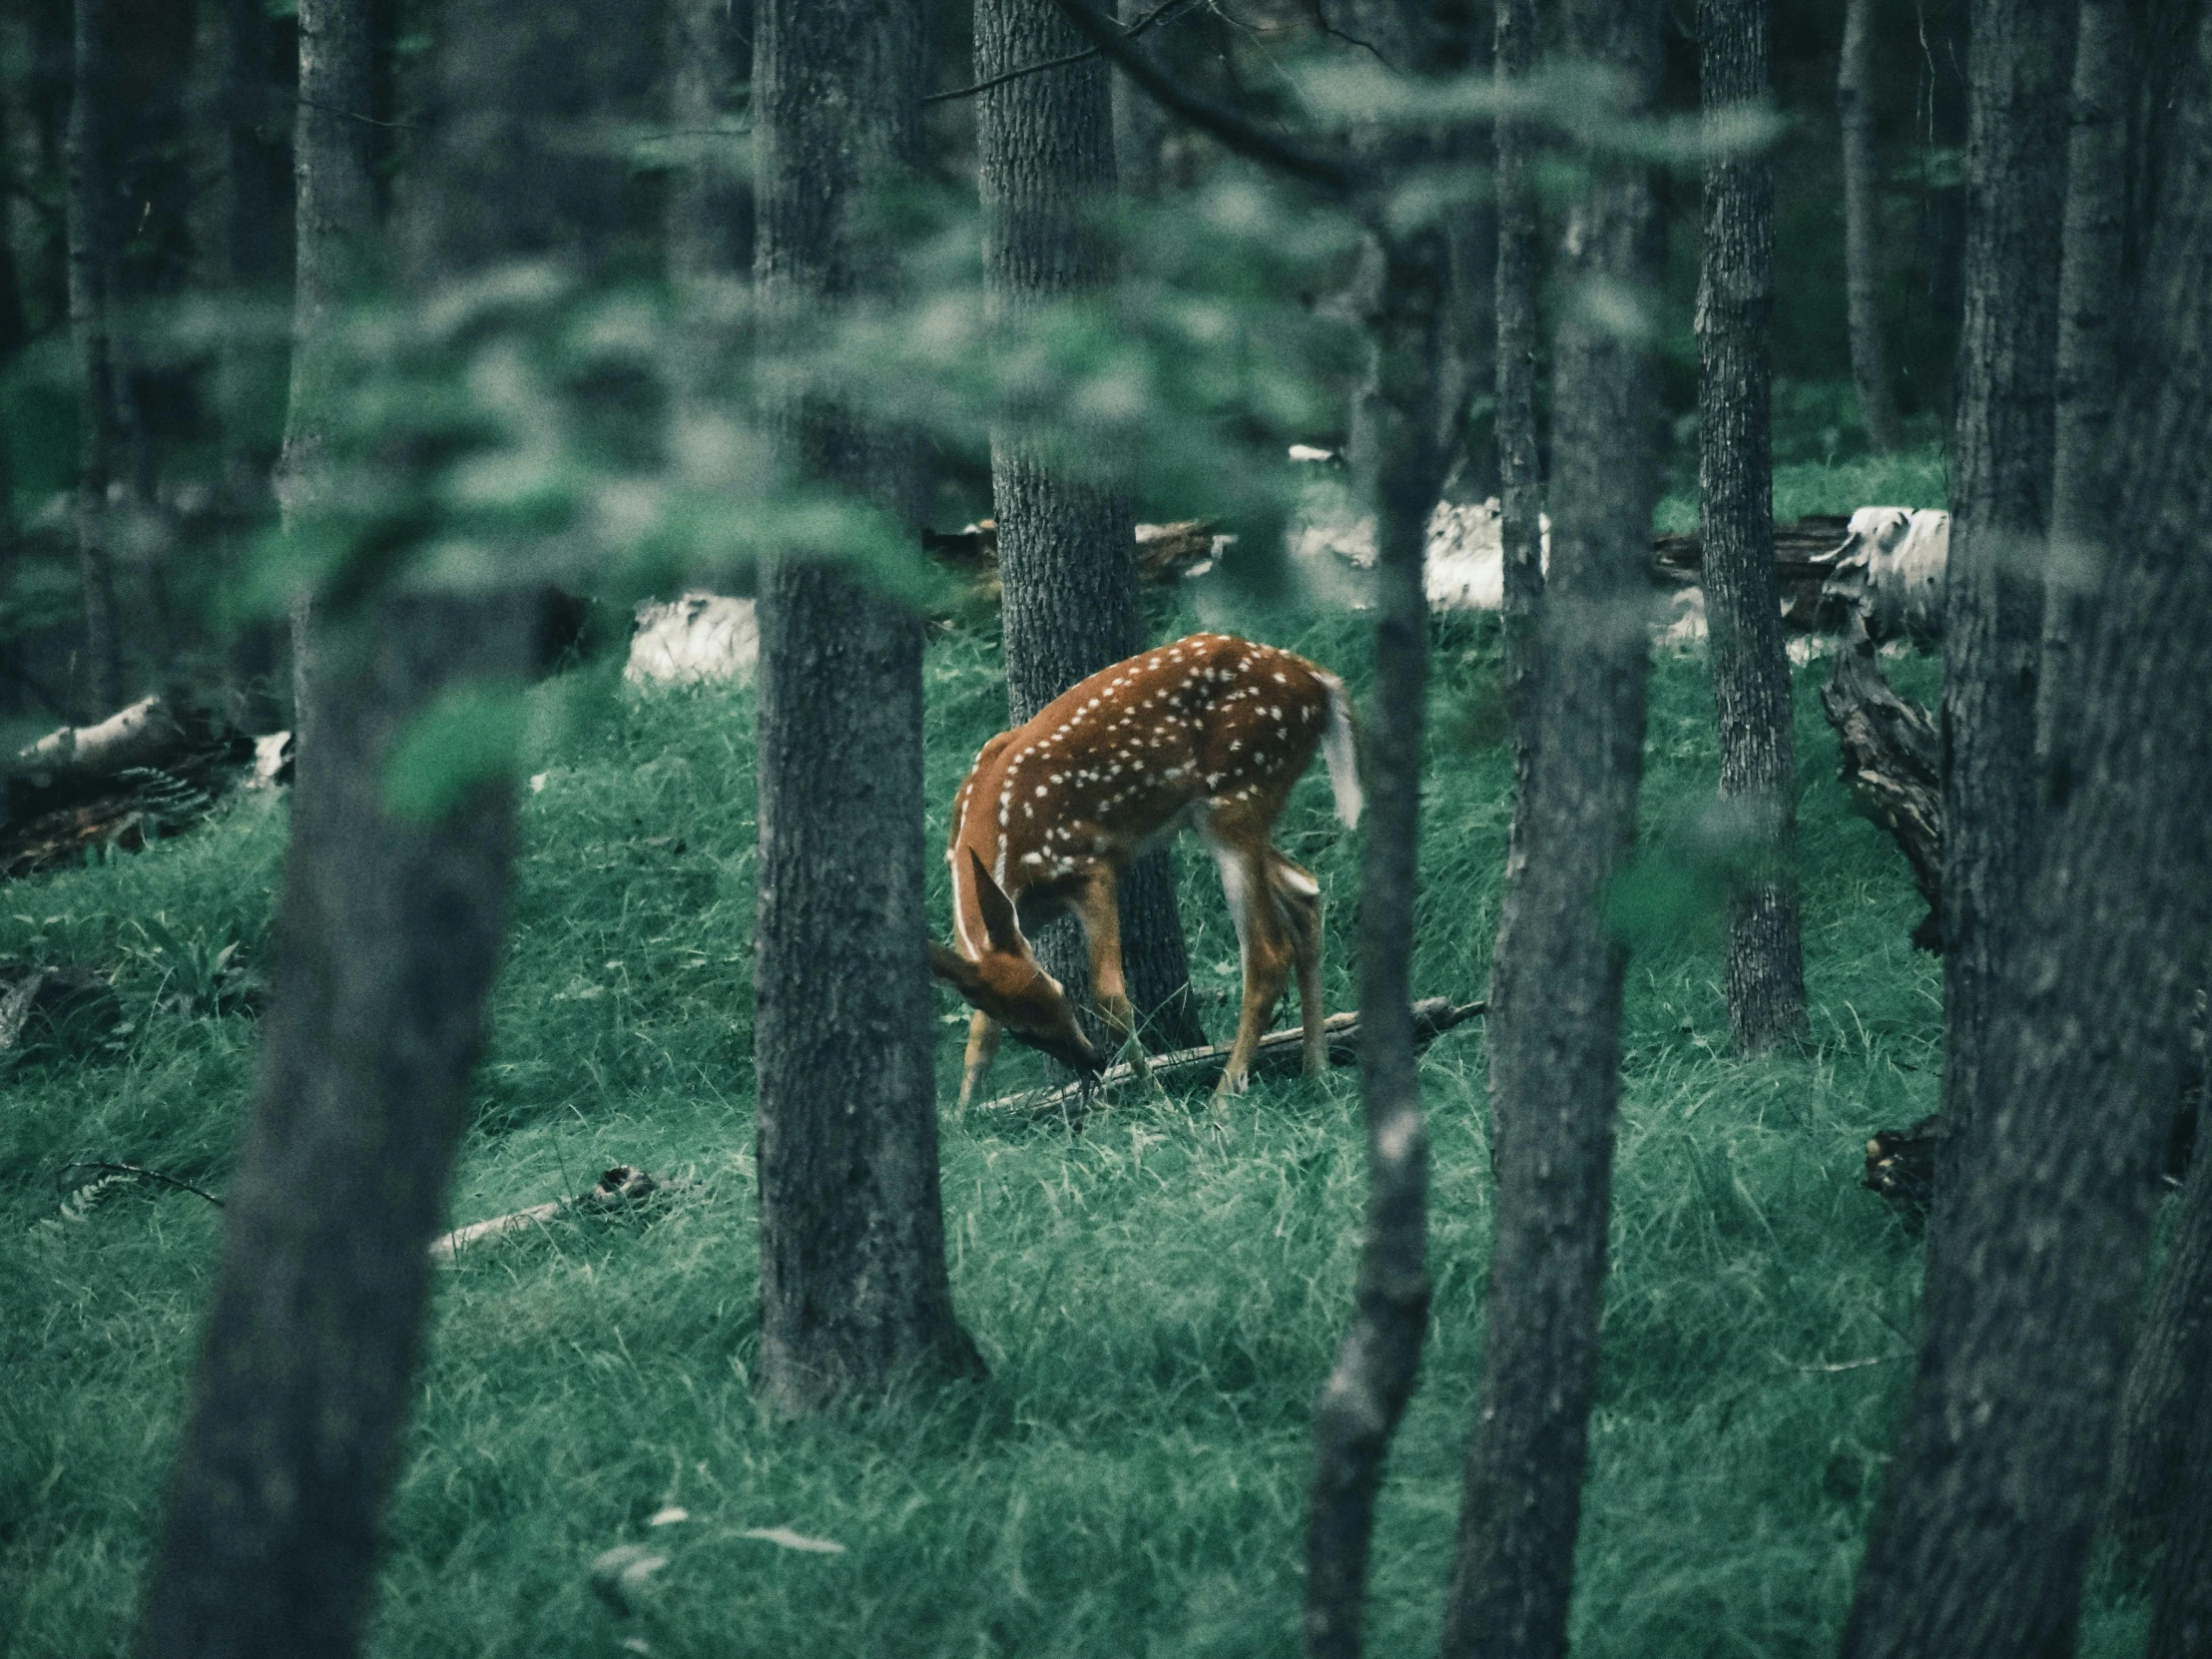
1032, 858
1274, 713
1057, 778
1041, 793
1028, 811
1235, 744
1280, 680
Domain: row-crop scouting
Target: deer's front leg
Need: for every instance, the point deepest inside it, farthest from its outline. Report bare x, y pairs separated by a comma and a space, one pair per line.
983, 1034
1098, 911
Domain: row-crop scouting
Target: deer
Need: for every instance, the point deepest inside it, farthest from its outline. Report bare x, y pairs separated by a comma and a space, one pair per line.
1208, 734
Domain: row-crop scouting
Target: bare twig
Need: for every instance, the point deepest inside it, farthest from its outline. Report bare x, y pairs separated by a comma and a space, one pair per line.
1231, 126
621, 1186
1130, 33
142, 1172
355, 115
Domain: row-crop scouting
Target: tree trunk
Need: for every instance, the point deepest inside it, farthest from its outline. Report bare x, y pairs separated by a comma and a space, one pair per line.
2181, 1592
1869, 363
15, 334
252, 265
387, 942
1987, 1528
854, 1297
1373, 1379
2020, 55
1411, 412
709, 198
336, 218
92, 241
2170, 1369
2088, 362
1556, 991
1066, 548
1743, 604
1140, 127
1520, 479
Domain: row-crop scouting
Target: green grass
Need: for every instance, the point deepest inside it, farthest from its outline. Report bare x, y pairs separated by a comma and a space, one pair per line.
1157, 1297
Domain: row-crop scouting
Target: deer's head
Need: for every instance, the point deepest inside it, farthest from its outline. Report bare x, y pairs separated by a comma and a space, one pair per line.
1005, 981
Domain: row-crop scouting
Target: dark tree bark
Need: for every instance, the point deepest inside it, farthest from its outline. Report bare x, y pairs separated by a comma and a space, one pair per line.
1987, 1528
1743, 603
252, 265
1066, 552
710, 200
389, 939
1521, 481
1869, 363
1555, 989
1373, 1379
92, 269
1860, 233
1408, 426
15, 334
2019, 59
1140, 129
2171, 1366
337, 216
854, 1297
2090, 297
2181, 1590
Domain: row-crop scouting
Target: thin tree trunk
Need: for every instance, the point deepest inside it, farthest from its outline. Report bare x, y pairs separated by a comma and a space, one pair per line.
2181, 1590
1140, 127
1869, 363
1556, 991
855, 1297
2019, 60
1373, 1379
336, 217
1743, 605
710, 200
389, 939
1066, 549
2088, 362
253, 266
1521, 481
1985, 1532
92, 241
15, 334
2171, 1368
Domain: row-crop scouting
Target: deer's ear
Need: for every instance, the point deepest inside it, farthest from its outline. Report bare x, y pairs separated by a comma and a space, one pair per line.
955, 970
997, 909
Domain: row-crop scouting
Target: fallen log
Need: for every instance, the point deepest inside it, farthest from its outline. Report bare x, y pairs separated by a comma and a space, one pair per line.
617, 1189
1893, 762
1279, 1051
143, 773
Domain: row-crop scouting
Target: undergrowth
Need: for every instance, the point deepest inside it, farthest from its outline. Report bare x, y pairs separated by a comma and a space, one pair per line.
1159, 1295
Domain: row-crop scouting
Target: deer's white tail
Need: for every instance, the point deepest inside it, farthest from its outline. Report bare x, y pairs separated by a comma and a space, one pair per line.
1339, 748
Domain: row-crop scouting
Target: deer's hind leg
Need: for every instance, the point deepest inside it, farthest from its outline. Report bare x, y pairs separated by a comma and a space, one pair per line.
1264, 941
1298, 897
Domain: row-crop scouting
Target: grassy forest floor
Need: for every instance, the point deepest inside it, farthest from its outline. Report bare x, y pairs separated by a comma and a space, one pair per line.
1159, 1295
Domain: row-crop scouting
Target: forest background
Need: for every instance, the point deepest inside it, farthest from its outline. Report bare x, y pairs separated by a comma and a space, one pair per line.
1156, 1296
